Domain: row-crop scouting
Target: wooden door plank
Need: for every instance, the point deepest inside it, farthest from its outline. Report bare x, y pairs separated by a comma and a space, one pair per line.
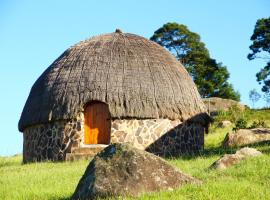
97, 124
86, 126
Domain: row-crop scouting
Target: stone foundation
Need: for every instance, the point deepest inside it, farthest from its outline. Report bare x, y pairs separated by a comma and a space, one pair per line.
52, 141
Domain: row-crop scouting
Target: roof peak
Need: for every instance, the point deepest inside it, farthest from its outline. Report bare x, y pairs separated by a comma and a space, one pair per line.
118, 30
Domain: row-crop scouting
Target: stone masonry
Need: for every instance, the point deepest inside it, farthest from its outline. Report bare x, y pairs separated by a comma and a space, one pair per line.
159, 136
52, 141
164, 137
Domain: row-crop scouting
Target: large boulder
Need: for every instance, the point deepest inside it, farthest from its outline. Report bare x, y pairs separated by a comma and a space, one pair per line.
244, 137
122, 170
215, 104
230, 159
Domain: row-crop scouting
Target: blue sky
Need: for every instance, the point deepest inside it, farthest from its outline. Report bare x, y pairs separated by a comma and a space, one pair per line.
34, 33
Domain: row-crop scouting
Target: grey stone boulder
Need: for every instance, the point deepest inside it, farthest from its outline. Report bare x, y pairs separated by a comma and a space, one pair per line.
122, 170
228, 160
244, 137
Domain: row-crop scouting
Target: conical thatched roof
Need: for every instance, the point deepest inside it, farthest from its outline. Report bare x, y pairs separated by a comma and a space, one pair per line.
134, 76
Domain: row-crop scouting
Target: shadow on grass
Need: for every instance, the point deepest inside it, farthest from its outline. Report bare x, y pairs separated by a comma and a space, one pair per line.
214, 151
61, 198
264, 147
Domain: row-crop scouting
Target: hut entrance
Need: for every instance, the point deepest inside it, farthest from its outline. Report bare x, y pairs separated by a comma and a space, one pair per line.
97, 124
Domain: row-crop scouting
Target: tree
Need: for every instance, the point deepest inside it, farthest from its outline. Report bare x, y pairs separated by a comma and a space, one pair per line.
210, 76
266, 97
261, 49
254, 96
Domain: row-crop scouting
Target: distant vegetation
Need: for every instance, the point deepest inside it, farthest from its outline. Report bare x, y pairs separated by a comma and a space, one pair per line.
210, 76
247, 180
248, 118
260, 49
254, 96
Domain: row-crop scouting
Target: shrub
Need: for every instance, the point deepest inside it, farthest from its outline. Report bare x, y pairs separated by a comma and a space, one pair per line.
258, 124
233, 114
241, 123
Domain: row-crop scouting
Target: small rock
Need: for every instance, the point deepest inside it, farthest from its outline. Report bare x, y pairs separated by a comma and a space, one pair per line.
224, 124
122, 170
249, 152
246, 136
228, 160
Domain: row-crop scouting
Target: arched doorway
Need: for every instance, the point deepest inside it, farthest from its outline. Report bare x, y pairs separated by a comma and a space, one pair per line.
97, 123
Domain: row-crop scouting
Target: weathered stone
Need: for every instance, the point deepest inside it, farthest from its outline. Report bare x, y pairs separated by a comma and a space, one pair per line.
122, 170
248, 152
49, 133
246, 136
224, 124
215, 104
140, 140
230, 159
138, 131
79, 126
115, 126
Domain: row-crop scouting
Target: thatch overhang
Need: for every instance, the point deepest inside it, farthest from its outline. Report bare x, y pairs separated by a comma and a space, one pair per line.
136, 77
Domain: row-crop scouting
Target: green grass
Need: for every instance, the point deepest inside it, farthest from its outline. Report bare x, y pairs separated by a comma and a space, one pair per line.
249, 115
247, 180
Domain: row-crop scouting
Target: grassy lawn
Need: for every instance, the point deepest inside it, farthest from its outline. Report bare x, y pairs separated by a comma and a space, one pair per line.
247, 180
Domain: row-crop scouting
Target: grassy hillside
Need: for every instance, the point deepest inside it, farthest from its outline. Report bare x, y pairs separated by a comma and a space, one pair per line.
247, 180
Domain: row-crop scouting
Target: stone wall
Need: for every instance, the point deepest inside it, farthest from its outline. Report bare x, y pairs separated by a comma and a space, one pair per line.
182, 139
140, 133
160, 136
53, 140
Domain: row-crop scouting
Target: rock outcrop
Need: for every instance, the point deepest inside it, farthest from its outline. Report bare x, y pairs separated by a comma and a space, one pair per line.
228, 160
244, 137
215, 104
122, 170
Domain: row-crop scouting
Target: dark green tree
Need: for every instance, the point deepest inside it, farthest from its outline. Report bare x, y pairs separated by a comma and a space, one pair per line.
210, 76
260, 48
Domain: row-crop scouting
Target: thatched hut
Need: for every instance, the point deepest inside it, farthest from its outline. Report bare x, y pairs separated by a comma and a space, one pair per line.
112, 88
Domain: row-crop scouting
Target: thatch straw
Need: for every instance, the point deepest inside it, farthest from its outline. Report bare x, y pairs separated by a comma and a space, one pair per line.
136, 77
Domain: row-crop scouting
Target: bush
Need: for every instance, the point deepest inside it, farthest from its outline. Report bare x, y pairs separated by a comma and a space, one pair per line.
258, 124
240, 124
233, 114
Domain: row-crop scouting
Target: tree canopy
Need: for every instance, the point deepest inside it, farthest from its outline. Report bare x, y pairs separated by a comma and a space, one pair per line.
210, 76
260, 48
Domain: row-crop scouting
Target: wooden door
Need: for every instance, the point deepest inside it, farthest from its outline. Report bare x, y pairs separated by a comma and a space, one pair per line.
97, 124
